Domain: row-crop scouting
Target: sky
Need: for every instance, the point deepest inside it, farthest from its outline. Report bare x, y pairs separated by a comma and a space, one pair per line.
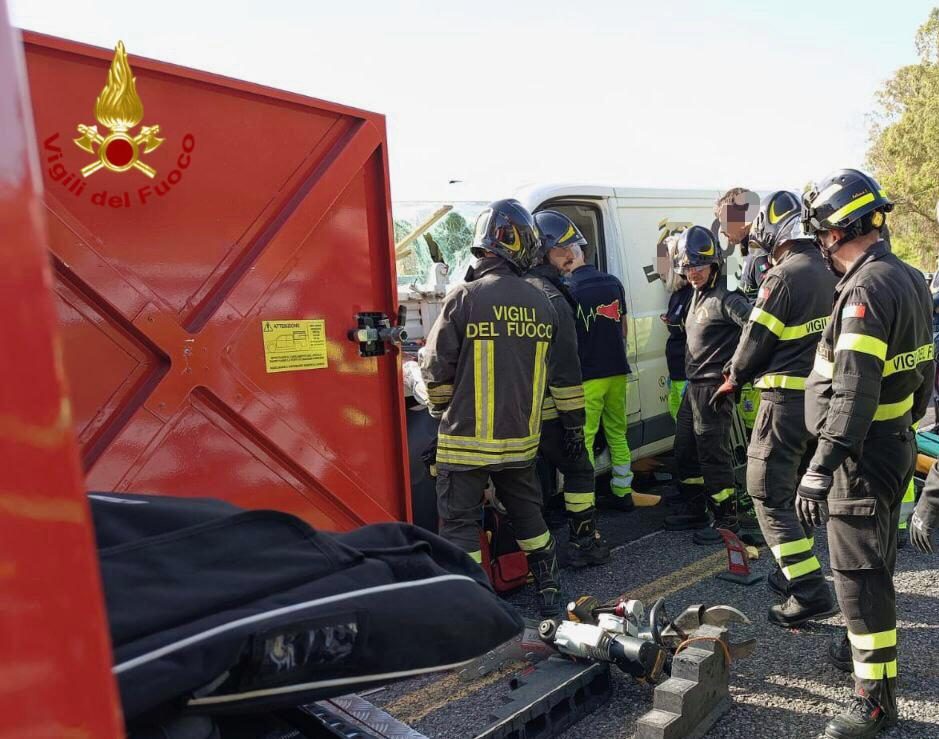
496, 95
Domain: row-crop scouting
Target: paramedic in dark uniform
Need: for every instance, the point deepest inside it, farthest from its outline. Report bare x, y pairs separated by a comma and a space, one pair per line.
776, 352
601, 343
562, 427
871, 382
485, 366
702, 431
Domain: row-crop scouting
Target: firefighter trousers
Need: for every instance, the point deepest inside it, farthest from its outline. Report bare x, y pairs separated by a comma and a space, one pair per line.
578, 472
605, 400
779, 451
864, 510
460, 504
702, 446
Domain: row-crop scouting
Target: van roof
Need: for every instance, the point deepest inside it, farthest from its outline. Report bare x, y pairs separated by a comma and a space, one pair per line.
531, 196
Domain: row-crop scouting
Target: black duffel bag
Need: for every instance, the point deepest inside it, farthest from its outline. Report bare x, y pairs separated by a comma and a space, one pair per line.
214, 609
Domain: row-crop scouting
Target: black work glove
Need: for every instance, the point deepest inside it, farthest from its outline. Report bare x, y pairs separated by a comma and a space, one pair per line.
429, 457
921, 531
727, 389
812, 498
574, 442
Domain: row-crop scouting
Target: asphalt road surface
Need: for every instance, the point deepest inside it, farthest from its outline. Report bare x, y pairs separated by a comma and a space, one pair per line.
786, 689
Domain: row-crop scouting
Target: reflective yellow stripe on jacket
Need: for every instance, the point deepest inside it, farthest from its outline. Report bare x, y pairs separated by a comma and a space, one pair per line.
477, 451
568, 398
784, 332
549, 411
878, 348
538, 387
823, 367
889, 411
909, 360
786, 382
864, 344
440, 395
484, 381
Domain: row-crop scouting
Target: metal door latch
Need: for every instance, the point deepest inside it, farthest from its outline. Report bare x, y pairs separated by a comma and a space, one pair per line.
374, 331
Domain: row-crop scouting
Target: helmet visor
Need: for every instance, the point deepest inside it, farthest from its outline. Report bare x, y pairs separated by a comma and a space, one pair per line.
482, 227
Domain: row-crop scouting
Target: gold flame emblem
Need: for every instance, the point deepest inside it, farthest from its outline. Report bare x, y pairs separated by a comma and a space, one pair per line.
119, 109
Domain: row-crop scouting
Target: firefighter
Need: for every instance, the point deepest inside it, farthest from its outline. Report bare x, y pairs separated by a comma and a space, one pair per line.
735, 210
680, 294
702, 430
485, 366
871, 381
562, 427
601, 343
776, 352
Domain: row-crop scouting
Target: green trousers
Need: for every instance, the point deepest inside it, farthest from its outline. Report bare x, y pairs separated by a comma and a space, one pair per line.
907, 505
676, 388
605, 401
909, 499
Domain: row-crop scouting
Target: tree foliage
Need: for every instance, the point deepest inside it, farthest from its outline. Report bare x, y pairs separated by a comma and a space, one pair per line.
904, 151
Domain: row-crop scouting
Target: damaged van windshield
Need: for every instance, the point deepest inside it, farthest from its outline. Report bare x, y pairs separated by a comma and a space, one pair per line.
427, 232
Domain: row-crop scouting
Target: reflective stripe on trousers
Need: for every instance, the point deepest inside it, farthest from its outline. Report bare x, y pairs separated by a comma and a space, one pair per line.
787, 551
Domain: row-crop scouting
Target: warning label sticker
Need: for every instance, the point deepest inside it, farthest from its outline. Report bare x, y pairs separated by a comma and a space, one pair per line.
294, 345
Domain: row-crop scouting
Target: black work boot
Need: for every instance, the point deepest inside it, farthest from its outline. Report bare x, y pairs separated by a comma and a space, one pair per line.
725, 517
543, 564
840, 656
619, 503
690, 514
794, 611
777, 583
585, 546
863, 718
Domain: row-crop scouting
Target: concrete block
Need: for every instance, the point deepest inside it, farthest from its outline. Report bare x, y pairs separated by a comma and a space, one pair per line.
671, 695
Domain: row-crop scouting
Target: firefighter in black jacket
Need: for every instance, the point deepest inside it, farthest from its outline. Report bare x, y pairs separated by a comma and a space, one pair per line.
562, 428
702, 430
485, 366
776, 352
871, 382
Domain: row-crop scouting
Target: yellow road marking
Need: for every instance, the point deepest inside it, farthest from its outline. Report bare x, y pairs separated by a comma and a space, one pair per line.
412, 707
680, 579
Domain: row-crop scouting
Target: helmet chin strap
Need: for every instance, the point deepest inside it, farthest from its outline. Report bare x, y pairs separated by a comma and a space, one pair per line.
827, 253
715, 273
